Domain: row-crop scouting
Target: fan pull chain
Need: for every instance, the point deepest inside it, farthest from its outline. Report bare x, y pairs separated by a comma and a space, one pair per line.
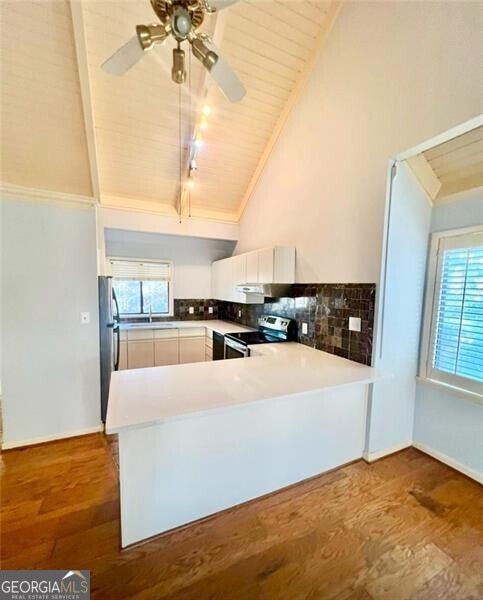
180, 208
189, 126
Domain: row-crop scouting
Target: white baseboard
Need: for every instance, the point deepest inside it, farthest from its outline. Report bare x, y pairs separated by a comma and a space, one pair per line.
451, 462
52, 438
372, 456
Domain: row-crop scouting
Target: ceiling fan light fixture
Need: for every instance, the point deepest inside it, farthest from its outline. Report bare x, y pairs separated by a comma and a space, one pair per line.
148, 35
178, 71
206, 56
181, 23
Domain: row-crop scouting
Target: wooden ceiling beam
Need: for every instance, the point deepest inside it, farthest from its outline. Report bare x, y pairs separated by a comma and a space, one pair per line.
86, 93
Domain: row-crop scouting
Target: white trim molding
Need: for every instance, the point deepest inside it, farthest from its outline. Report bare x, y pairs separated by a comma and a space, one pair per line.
52, 438
454, 464
17, 192
373, 456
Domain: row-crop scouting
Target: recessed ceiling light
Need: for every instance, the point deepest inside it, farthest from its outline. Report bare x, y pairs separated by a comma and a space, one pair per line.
206, 110
203, 123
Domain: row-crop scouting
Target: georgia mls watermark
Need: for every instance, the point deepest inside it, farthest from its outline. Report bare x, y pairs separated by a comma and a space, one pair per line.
45, 585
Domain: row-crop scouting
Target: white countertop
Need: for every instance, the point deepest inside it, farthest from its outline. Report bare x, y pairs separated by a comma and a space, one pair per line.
213, 324
141, 397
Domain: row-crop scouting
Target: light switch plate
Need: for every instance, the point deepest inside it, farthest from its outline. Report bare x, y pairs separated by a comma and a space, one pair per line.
210, 310
85, 318
191, 310
305, 328
354, 324
239, 314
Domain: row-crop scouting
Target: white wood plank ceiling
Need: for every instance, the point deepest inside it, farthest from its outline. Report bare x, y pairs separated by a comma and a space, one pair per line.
132, 122
458, 163
43, 138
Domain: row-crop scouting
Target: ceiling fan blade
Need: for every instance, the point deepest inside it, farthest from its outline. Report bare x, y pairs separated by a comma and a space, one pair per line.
227, 80
207, 53
221, 4
124, 58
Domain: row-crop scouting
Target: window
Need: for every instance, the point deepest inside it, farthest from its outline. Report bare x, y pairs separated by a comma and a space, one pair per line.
143, 287
455, 345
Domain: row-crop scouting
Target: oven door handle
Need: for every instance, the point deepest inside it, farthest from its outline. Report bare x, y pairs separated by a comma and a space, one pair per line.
236, 346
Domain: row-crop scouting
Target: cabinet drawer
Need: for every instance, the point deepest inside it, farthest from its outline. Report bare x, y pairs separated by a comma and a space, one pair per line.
161, 334
192, 332
208, 342
209, 333
123, 335
139, 334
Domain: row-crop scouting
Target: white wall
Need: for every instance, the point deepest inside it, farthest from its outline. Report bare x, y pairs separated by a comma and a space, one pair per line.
192, 256
392, 75
395, 353
50, 367
447, 425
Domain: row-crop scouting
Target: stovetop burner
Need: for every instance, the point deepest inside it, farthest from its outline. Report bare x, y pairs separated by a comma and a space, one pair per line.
271, 329
249, 338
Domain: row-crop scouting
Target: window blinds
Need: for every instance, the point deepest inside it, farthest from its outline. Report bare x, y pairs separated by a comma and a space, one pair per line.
458, 328
140, 270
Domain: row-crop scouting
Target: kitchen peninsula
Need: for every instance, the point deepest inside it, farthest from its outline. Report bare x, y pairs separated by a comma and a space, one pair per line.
196, 439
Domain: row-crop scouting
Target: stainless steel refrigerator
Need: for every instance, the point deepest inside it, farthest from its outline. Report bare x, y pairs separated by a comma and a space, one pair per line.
109, 338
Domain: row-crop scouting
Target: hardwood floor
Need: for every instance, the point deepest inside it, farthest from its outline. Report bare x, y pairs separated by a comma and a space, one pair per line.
406, 527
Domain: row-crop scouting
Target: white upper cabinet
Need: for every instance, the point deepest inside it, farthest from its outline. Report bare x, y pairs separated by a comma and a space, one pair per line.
268, 265
252, 267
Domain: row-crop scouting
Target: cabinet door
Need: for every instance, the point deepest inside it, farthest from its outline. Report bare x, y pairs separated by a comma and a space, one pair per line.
252, 267
122, 356
239, 276
140, 354
216, 280
166, 352
192, 349
265, 265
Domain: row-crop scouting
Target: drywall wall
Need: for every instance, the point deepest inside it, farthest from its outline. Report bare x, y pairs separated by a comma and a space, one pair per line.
395, 353
392, 75
192, 256
50, 366
445, 424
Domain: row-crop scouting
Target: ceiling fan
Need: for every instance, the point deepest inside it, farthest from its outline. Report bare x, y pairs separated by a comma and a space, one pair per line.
181, 19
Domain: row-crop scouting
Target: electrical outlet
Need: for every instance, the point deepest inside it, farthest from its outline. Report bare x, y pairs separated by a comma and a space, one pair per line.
85, 318
191, 310
305, 328
239, 314
210, 310
354, 324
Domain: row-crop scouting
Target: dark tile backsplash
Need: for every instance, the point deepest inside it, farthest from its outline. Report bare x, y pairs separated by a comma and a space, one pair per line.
181, 311
325, 308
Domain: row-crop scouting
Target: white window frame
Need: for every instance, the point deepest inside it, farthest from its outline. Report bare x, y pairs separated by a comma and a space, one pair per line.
467, 387
170, 313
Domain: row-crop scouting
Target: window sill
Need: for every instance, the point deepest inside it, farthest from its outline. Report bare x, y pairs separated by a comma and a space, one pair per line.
451, 389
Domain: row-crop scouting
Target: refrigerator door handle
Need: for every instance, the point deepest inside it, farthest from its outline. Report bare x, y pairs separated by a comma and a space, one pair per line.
116, 317
117, 333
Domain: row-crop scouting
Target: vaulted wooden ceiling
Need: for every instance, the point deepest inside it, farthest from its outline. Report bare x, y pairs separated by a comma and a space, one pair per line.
69, 126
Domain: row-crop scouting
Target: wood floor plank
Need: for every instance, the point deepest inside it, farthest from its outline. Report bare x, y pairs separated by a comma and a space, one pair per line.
404, 528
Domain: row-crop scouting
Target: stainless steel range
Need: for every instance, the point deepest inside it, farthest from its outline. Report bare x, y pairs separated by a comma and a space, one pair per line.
270, 329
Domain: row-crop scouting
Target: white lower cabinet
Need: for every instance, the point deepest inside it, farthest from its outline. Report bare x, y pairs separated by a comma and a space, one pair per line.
122, 356
140, 354
192, 344
160, 347
166, 347
140, 349
166, 352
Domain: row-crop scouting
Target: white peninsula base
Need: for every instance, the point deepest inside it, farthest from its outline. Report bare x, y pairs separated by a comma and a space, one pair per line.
181, 470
